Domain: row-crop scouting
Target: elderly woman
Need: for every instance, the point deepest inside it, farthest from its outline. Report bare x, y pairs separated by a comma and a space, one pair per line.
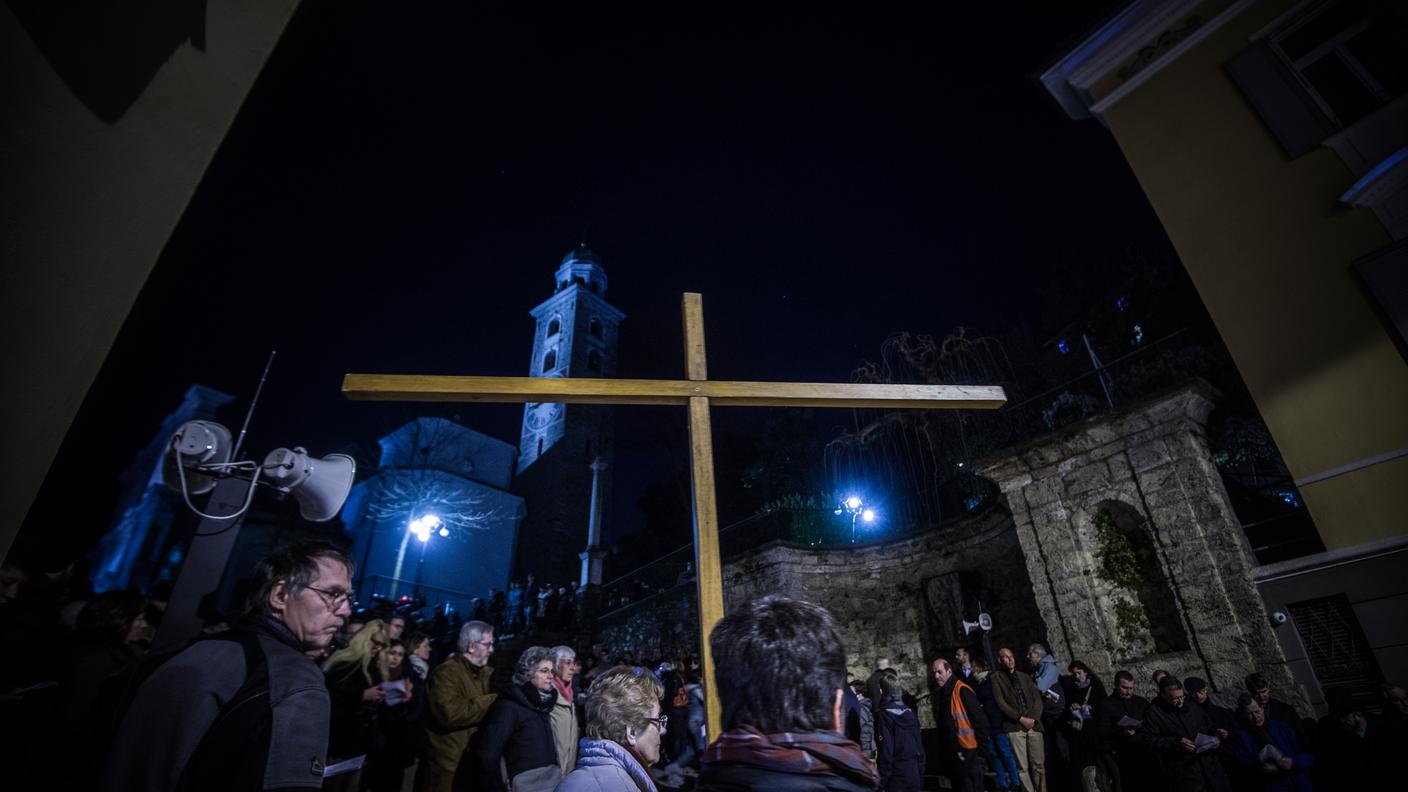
564, 713
624, 727
518, 730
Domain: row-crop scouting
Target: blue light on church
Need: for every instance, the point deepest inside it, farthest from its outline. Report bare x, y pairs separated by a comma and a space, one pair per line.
1063, 346
1121, 303
1289, 498
1138, 334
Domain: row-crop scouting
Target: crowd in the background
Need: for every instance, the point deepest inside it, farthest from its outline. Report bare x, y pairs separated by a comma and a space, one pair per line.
1022, 724
303, 690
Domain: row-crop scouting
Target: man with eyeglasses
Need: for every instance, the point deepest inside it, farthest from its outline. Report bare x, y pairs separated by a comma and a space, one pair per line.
459, 700
244, 709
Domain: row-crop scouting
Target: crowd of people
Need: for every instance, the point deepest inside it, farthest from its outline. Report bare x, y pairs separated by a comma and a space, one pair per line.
298, 693
1032, 728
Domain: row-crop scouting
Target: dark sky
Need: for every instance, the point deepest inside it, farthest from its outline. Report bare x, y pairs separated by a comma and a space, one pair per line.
403, 180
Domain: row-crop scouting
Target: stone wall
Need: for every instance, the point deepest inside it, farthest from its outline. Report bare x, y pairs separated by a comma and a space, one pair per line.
902, 600
1033, 559
1149, 463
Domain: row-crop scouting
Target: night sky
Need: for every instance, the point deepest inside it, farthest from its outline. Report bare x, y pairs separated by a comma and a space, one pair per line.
403, 180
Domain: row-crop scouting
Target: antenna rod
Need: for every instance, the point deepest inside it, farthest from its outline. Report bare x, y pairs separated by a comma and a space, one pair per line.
257, 390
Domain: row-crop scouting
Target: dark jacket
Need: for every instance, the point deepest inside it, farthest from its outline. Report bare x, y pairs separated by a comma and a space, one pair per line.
1164, 728
977, 717
743, 758
518, 729
991, 712
352, 730
241, 710
1088, 736
1012, 709
1246, 750
899, 746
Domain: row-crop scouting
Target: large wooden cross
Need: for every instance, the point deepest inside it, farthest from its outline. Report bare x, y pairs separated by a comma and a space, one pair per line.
698, 393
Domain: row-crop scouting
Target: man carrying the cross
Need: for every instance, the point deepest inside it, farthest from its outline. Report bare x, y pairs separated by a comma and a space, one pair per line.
779, 668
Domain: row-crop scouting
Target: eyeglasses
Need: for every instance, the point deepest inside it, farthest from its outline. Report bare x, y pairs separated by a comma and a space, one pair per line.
660, 722
485, 643
334, 599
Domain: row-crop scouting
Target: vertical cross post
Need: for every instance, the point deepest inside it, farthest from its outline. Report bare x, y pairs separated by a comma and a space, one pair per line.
709, 571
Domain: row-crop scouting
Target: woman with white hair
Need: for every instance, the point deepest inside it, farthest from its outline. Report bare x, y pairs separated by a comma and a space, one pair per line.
518, 730
564, 713
624, 727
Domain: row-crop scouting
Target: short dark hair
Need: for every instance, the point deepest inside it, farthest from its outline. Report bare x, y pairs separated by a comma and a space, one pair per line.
1255, 682
1245, 700
1170, 682
295, 566
778, 663
890, 683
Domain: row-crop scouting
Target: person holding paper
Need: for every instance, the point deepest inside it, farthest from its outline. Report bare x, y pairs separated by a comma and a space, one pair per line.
1181, 735
1267, 752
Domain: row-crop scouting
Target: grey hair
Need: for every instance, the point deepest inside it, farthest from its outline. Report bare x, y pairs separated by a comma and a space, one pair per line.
621, 697
295, 567
529, 660
561, 654
471, 632
1038, 648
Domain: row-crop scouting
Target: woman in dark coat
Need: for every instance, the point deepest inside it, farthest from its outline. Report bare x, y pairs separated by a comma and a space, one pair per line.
518, 730
354, 684
1085, 706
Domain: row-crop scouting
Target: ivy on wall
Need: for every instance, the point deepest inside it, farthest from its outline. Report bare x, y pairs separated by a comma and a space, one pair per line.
1119, 566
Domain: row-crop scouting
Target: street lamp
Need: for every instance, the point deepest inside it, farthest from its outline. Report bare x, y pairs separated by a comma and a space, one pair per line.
855, 507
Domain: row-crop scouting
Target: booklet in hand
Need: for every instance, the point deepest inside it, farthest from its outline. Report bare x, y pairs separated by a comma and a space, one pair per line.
1129, 723
1204, 743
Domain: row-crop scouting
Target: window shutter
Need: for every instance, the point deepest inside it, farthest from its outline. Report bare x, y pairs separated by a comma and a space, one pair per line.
1293, 117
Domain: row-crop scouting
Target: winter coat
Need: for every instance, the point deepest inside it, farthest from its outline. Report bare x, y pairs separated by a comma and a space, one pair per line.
1088, 734
1247, 753
1164, 728
564, 733
353, 725
518, 730
900, 747
458, 699
982, 683
606, 766
1047, 675
1012, 709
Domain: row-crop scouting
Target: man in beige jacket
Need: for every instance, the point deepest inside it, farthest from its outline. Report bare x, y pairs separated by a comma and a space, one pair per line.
459, 699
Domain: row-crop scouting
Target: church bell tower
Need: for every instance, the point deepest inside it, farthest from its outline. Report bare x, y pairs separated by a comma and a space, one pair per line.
575, 336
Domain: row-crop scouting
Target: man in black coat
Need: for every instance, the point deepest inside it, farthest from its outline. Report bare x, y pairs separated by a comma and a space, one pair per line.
1171, 727
1138, 766
963, 728
1275, 708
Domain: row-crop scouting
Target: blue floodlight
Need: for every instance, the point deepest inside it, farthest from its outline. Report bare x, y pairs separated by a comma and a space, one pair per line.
444, 531
1063, 346
853, 502
868, 515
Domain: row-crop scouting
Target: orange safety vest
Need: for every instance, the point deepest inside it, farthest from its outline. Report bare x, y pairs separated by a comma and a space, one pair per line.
967, 740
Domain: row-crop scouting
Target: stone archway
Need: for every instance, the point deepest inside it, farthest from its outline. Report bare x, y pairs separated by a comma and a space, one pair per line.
1148, 464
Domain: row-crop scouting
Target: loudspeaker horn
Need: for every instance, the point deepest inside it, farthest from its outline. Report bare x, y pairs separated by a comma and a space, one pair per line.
983, 623
320, 485
195, 443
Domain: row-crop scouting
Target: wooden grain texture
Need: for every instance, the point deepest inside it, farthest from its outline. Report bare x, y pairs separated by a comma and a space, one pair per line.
709, 568
721, 393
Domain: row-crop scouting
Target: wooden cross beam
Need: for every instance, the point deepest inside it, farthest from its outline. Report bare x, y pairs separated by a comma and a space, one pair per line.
698, 393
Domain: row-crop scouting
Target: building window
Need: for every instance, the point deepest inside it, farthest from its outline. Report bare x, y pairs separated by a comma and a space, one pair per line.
550, 360
554, 327
1324, 69
594, 360
594, 327
1351, 56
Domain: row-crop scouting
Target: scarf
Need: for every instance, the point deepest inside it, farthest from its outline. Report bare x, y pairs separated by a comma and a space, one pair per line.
564, 692
822, 752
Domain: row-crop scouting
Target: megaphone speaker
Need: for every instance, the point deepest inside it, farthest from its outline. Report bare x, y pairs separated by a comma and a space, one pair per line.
320, 485
195, 443
969, 627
